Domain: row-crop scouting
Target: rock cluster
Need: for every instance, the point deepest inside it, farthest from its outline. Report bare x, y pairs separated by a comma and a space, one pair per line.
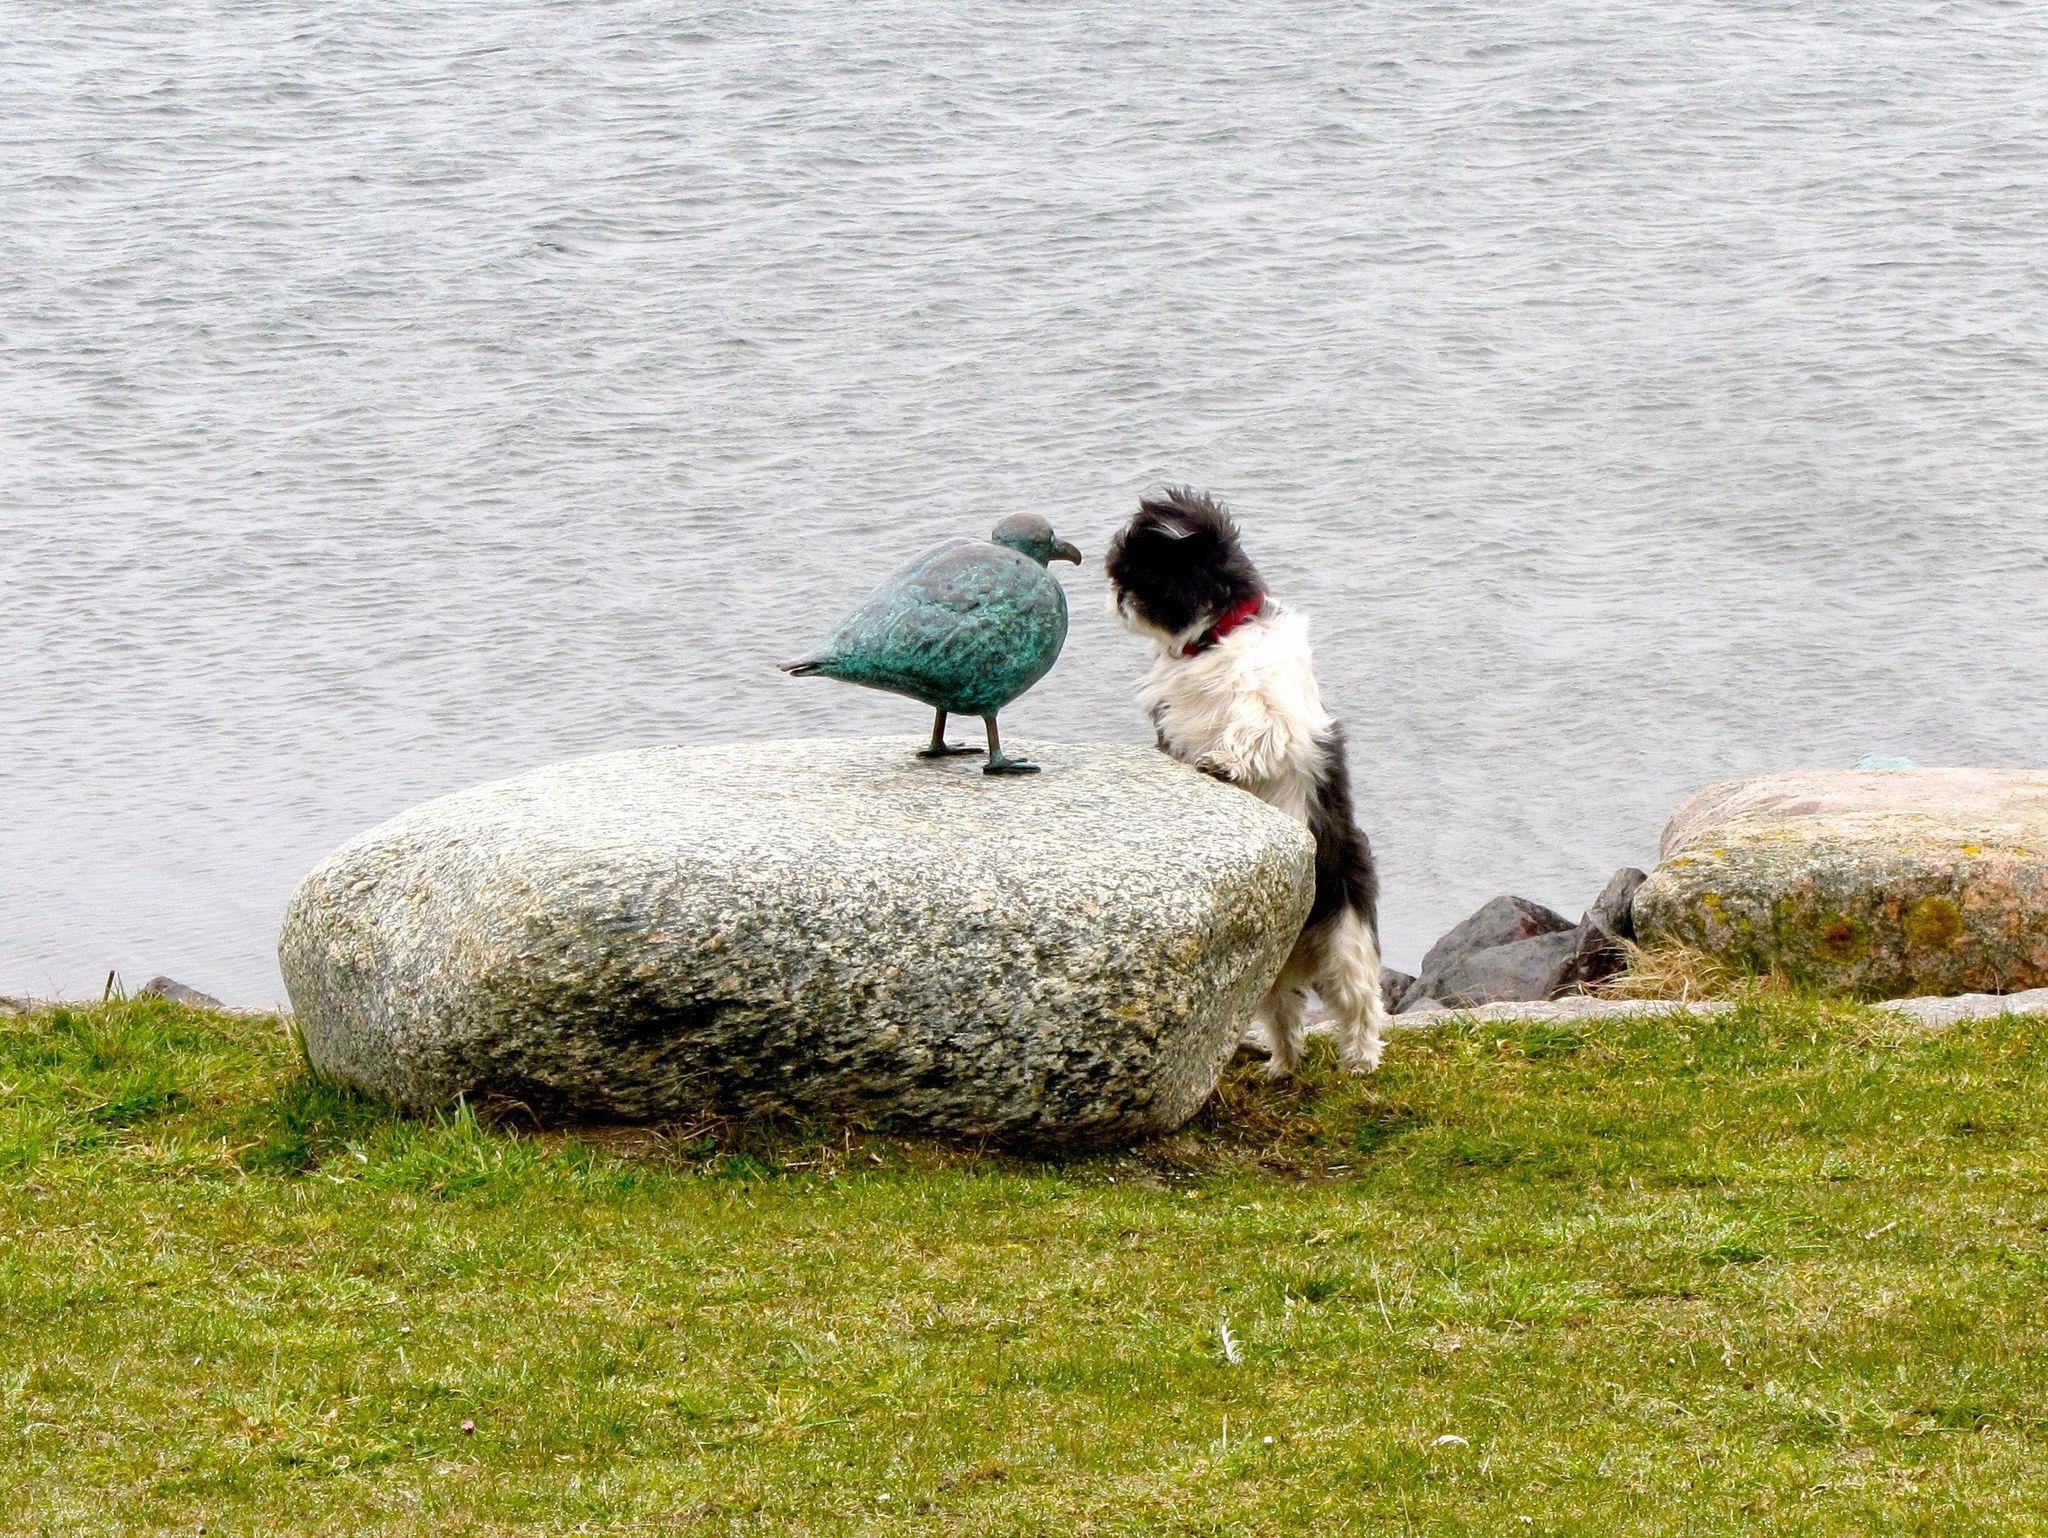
1513, 950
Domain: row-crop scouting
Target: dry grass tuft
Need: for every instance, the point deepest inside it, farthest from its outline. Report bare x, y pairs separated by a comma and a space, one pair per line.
1679, 972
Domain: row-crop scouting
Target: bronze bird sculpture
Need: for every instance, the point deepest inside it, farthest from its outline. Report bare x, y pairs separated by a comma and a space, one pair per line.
966, 628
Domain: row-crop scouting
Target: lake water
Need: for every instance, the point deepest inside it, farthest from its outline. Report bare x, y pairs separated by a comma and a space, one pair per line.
394, 396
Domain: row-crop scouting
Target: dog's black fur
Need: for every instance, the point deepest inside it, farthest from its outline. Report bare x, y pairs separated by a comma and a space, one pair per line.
1180, 560
1346, 876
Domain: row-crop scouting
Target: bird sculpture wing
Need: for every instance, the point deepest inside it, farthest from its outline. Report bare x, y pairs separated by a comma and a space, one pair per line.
967, 627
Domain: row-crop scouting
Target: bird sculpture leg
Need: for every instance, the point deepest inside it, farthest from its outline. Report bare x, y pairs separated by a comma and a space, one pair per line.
939, 747
997, 763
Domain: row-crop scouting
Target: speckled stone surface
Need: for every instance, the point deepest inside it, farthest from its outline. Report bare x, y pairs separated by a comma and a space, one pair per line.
1971, 1006
1879, 883
1578, 1007
807, 926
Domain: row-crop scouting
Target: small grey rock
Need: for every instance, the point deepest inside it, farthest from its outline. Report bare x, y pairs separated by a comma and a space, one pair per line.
1395, 988
1500, 922
1613, 911
814, 926
1596, 956
170, 988
1521, 971
1415, 1004
1604, 933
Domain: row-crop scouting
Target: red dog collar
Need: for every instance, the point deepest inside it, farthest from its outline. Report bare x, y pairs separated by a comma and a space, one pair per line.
1247, 609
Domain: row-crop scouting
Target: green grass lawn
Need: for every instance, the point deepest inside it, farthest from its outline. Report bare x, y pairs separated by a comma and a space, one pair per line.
1777, 1272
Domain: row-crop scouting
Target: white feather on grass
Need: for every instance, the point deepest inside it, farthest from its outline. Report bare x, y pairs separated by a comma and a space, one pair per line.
1231, 1351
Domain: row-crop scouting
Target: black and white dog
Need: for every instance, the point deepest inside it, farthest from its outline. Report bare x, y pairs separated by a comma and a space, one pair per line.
1233, 692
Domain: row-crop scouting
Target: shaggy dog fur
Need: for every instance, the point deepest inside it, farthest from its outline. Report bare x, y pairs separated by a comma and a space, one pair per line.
1233, 692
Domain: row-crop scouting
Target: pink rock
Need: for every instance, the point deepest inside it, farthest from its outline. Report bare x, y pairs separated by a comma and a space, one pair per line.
1881, 883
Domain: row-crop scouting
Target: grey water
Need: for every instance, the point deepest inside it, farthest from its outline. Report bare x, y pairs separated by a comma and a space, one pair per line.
395, 396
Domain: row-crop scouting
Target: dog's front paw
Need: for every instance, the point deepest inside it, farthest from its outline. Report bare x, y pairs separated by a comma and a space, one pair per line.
1217, 768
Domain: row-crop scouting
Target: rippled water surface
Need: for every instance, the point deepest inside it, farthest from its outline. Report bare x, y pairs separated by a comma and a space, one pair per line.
395, 396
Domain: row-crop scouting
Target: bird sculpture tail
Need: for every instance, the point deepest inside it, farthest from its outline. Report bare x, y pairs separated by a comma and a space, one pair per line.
803, 667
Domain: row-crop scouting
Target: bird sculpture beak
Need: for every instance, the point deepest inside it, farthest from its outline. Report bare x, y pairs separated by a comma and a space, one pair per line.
1066, 552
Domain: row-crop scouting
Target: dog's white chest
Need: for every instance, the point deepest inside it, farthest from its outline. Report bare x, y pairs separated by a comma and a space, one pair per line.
1247, 709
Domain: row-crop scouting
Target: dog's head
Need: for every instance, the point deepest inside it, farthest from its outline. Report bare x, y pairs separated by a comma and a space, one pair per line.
1177, 567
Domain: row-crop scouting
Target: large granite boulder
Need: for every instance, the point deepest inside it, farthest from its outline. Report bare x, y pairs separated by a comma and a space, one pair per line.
1881, 883
807, 927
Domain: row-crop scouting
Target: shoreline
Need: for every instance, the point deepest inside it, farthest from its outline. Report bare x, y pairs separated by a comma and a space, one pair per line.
1923, 1009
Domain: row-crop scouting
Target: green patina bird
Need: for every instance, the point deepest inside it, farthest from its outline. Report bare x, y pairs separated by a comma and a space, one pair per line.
966, 628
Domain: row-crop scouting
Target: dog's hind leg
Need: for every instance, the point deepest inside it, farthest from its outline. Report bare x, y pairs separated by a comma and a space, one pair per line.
1280, 1014
1348, 979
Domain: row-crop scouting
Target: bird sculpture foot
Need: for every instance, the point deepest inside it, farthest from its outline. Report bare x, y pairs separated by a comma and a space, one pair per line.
938, 747
1000, 762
